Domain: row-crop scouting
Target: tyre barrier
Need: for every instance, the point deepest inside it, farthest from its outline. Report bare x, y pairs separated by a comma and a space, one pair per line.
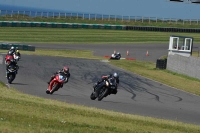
59, 25
7, 46
96, 26
163, 29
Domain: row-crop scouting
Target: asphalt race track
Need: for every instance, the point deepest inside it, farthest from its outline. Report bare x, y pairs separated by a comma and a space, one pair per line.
136, 94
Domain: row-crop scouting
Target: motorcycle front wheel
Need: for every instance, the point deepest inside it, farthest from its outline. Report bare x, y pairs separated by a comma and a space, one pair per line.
92, 96
103, 92
54, 88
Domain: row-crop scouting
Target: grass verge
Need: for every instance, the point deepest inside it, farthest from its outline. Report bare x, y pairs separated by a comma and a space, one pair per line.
85, 36
22, 113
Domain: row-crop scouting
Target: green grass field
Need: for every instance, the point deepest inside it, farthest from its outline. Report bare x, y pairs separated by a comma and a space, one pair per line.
85, 36
23, 113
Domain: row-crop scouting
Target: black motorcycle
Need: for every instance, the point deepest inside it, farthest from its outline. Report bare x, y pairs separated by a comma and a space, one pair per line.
104, 89
12, 71
115, 56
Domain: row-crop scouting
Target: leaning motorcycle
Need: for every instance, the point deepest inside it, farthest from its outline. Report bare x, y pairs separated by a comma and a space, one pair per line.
115, 56
56, 83
12, 72
104, 89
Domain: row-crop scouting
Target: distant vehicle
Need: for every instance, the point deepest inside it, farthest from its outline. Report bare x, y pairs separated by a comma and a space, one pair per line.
116, 56
17, 55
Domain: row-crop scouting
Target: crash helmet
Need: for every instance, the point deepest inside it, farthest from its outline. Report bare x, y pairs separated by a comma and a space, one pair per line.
118, 52
12, 48
115, 75
65, 69
17, 51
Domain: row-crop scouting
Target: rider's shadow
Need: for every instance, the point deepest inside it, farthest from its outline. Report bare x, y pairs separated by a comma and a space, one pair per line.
19, 84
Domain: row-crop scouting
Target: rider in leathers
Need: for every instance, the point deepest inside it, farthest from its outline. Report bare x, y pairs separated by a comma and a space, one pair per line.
115, 75
64, 72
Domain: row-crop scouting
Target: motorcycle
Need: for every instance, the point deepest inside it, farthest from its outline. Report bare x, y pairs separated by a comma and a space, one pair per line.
12, 72
104, 89
8, 57
116, 56
56, 83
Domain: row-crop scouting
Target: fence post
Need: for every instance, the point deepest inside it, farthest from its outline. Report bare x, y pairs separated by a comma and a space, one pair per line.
30, 14
23, 14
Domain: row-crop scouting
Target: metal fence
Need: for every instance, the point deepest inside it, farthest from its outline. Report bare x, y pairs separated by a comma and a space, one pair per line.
101, 17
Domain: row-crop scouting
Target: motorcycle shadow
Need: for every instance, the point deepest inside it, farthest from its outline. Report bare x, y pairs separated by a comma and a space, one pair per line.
19, 84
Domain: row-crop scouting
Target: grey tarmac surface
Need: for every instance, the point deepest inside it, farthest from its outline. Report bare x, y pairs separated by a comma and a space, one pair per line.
137, 51
136, 94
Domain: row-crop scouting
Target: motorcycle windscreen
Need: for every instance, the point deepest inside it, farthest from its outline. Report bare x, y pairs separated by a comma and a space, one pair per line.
61, 77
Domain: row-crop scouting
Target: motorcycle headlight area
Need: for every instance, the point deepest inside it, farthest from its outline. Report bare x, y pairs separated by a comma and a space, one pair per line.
107, 84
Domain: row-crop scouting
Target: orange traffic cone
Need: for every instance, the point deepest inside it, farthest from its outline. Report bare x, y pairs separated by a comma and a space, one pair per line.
127, 53
147, 54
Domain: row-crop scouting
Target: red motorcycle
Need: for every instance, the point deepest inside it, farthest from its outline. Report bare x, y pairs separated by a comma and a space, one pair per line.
56, 83
8, 57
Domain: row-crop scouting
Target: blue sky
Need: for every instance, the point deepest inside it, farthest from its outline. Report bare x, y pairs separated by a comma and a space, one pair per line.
146, 8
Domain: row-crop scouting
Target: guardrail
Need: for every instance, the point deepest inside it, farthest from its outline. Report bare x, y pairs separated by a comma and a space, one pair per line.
7, 46
87, 16
96, 26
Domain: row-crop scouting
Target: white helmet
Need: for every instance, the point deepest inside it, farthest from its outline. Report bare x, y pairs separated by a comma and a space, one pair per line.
115, 75
12, 47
